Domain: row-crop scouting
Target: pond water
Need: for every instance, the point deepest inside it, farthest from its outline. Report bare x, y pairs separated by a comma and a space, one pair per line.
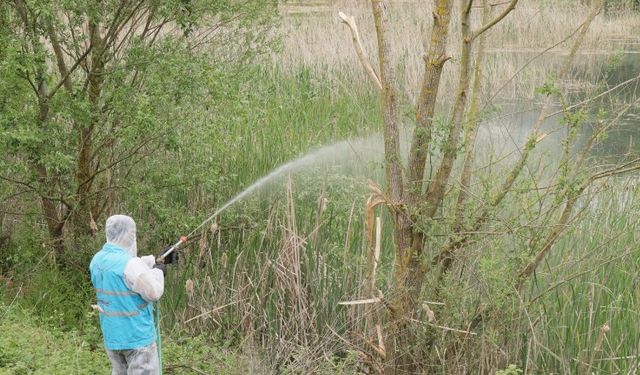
509, 127
625, 137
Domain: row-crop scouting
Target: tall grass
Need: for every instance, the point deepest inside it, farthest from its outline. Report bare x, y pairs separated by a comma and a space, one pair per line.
272, 286
590, 290
267, 278
275, 272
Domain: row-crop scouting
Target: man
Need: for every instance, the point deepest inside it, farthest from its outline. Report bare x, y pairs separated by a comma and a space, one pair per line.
126, 286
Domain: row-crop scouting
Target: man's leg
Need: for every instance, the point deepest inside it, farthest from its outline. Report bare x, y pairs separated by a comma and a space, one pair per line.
143, 361
118, 362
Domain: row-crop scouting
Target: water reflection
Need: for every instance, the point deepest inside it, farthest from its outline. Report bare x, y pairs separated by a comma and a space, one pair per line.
511, 122
622, 139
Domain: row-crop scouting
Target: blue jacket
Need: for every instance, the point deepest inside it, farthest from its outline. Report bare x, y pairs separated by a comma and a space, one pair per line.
126, 319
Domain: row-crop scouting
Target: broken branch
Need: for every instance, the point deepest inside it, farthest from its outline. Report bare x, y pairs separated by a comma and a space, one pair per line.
357, 43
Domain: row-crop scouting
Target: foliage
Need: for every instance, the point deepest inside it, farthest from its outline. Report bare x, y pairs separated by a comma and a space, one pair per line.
82, 104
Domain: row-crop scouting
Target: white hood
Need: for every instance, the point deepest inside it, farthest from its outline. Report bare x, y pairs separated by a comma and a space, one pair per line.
121, 231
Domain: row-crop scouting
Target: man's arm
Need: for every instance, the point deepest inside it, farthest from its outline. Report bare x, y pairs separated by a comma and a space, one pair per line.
143, 279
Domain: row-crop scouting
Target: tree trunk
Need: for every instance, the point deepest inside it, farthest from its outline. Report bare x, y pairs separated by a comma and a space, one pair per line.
408, 199
471, 128
87, 206
50, 208
400, 305
436, 192
434, 61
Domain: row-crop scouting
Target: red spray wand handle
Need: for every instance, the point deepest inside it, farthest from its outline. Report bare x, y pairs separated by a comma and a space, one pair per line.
182, 240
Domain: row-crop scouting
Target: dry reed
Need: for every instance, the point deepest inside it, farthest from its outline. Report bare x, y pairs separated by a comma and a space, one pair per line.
315, 38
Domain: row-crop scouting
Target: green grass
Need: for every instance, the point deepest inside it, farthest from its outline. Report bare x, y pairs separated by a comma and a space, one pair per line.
27, 346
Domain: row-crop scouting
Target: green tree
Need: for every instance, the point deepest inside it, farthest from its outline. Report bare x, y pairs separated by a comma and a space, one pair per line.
89, 89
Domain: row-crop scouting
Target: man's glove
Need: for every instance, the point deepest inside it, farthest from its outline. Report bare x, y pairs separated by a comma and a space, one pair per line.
162, 267
171, 258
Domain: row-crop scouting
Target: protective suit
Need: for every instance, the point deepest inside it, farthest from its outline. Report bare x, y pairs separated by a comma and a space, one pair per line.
126, 286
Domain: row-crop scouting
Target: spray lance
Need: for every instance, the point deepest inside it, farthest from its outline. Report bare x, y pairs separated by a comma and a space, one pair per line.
177, 246
160, 259
183, 239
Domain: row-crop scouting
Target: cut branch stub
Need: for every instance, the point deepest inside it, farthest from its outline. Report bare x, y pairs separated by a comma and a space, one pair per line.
362, 55
376, 198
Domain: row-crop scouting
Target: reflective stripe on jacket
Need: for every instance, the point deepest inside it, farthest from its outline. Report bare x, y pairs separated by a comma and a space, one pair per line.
126, 319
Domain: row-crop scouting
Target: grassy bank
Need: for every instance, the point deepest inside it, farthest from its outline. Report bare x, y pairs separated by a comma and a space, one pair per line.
29, 345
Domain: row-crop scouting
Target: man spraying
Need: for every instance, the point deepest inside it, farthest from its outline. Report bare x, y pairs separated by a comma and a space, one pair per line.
126, 286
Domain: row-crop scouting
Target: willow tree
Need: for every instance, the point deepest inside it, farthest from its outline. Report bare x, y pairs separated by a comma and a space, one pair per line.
90, 89
417, 200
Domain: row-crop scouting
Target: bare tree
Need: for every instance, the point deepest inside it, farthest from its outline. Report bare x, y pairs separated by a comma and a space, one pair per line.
415, 200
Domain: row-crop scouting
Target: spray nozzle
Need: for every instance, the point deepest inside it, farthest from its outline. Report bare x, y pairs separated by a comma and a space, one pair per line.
183, 240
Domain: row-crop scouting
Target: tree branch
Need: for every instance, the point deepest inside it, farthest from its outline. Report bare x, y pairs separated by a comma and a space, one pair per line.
69, 72
622, 169
131, 154
357, 44
111, 39
589, 100
535, 137
493, 22
35, 190
62, 66
552, 237
471, 128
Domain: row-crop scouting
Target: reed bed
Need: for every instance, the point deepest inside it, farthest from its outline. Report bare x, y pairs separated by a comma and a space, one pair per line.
314, 38
271, 287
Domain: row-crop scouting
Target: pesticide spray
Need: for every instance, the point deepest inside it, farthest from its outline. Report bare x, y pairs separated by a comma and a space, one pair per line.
326, 154
363, 150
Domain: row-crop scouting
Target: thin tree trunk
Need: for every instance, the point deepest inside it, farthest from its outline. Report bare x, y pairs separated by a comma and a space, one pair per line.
52, 215
389, 105
434, 61
436, 192
393, 170
86, 167
412, 269
471, 128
